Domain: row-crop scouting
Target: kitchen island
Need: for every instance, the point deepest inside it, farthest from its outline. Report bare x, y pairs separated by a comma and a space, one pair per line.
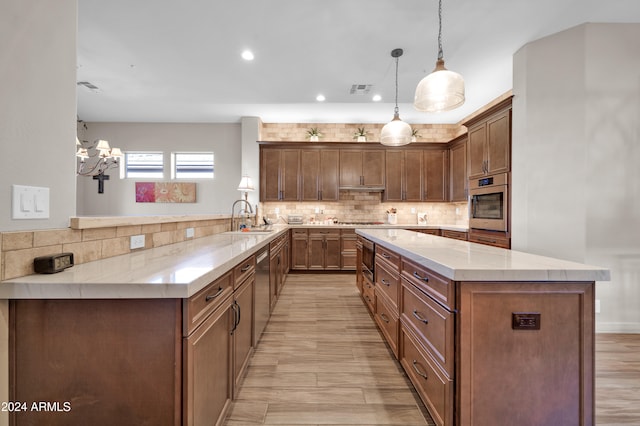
159, 336
487, 334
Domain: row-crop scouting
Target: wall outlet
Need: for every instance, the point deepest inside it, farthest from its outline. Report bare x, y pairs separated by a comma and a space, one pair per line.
277, 210
597, 307
317, 210
413, 210
189, 232
137, 241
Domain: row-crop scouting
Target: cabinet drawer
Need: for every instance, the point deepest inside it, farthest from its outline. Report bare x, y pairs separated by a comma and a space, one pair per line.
432, 324
458, 235
243, 270
428, 231
324, 232
436, 286
387, 320
200, 305
490, 240
388, 256
389, 283
368, 294
433, 386
298, 232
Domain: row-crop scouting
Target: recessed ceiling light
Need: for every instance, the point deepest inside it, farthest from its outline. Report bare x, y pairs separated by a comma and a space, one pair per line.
247, 55
377, 98
320, 98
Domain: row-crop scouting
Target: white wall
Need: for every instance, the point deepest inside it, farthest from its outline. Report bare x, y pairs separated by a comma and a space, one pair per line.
213, 196
38, 106
576, 150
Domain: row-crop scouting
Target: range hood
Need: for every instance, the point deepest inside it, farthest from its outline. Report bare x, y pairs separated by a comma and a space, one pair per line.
362, 188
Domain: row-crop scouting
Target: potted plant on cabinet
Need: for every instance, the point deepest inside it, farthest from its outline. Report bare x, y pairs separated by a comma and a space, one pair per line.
360, 135
415, 134
313, 134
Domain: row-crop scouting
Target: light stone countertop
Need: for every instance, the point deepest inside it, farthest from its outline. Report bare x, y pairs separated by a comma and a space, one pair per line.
465, 261
173, 271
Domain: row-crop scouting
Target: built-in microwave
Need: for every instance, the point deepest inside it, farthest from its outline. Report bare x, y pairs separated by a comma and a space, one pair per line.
489, 203
368, 259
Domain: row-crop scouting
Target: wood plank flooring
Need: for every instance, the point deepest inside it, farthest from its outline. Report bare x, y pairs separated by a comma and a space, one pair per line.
322, 361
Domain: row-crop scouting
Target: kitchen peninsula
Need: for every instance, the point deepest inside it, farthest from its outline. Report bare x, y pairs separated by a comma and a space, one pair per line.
486, 333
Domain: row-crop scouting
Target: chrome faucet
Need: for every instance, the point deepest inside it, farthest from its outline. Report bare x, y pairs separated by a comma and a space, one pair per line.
233, 208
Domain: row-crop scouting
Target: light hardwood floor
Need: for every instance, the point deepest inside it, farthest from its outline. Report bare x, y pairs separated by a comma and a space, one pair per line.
322, 361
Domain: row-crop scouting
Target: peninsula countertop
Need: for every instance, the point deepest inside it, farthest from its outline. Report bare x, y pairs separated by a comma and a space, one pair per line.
465, 261
172, 271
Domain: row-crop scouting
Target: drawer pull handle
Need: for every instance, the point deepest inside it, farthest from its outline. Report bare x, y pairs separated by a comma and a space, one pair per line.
246, 267
424, 320
385, 255
486, 240
385, 282
211, 297
420, 373
368, 299
384, 318
425, 279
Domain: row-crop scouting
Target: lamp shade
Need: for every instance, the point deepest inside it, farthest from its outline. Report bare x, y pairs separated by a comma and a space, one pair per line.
246, 184
442, 90
396, 132
115, 152
82, 153
103, 145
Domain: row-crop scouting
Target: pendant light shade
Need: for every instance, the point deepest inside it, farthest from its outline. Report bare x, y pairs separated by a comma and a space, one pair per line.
396, 132
442, 90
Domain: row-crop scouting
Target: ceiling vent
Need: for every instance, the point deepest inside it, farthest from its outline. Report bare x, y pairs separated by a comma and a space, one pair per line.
360, 89
89, 86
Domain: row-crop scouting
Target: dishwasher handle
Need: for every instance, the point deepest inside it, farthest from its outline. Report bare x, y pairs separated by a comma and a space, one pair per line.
262, 256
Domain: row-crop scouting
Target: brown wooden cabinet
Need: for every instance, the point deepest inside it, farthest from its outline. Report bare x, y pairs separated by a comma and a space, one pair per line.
242, 328
324, 249
435, 175
458, 182
403, 175
319, 174
348, 251
362, 168
489, 142
279, 174
299, 249
278, 267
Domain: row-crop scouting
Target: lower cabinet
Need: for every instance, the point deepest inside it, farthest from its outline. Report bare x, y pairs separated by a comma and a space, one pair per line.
324, 249
138, 361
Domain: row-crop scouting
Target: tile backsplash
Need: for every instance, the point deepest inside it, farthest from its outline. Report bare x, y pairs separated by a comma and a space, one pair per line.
355, 206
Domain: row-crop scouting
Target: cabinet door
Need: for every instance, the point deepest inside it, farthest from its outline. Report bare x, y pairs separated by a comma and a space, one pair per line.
316, 252
498, 143
458, 172
350, 167
373, 167
289, 173
413, 175
435, 175
207, 369
270, 175
273, 279
299, 252
348, 249
394, 162
329, 175
242, 327
477, 140
309, 175
333, 255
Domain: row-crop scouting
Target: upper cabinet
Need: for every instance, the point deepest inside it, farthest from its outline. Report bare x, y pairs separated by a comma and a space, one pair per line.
458, 170
361, 168
403, 175
279, 174
319, 173
435, 173
489, 141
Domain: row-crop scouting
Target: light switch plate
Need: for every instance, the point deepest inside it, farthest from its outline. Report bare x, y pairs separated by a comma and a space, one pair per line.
29, 202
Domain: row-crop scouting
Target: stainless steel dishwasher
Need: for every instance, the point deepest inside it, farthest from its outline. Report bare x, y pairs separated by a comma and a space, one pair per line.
261, 302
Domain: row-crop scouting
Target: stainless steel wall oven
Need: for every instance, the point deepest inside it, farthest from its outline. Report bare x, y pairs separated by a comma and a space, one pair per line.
489, 203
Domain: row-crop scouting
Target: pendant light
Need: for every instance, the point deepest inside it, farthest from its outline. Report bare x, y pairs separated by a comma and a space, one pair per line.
396, 132
442, 90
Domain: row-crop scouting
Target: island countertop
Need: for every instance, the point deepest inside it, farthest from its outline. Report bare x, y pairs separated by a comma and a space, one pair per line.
465, 261
172, 271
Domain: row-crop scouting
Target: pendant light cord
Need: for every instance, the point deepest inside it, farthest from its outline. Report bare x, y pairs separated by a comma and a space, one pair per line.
440, 55
396, 108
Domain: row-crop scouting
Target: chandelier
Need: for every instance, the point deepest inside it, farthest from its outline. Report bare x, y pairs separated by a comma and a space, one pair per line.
95, 158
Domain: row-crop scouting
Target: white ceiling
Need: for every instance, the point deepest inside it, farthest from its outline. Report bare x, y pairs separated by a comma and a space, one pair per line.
179, 61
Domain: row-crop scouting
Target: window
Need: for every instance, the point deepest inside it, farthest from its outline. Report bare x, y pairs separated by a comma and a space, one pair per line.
192, 165
144, 165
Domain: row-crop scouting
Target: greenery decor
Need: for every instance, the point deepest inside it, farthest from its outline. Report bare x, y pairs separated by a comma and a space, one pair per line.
360, 133
313, 132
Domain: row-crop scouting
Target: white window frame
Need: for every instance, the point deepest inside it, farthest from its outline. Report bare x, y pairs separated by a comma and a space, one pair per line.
175, 174
141, 175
